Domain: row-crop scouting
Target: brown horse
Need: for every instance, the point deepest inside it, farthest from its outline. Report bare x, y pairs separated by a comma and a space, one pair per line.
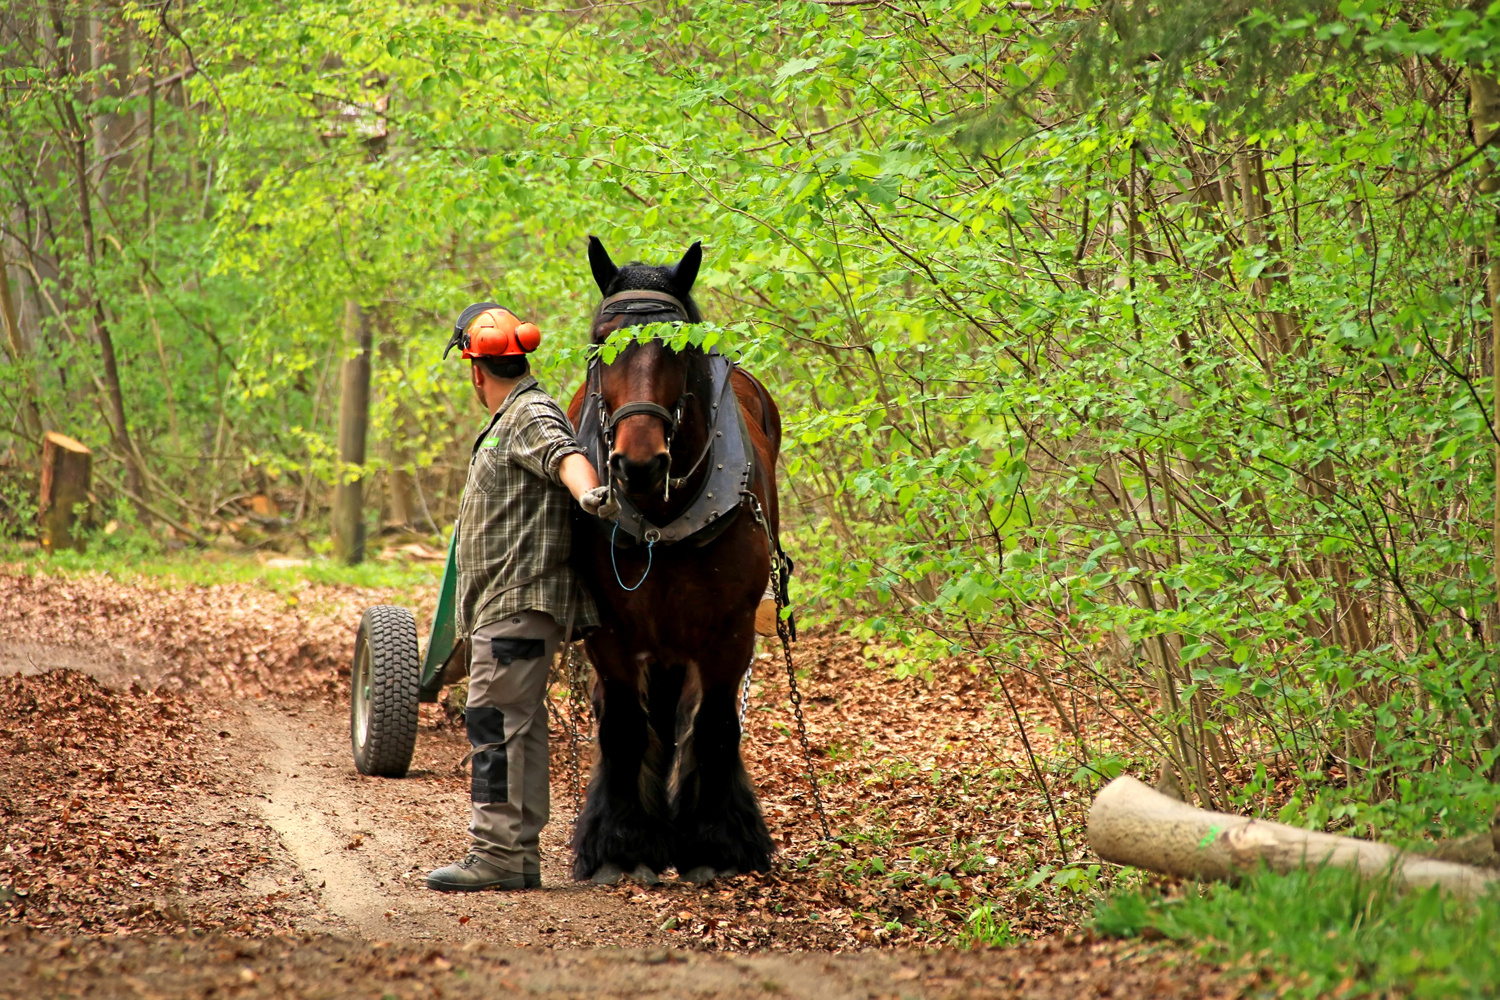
677, 616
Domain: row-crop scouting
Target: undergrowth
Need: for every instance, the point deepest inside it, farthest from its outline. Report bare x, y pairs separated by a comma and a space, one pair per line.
1326, 933
139, 557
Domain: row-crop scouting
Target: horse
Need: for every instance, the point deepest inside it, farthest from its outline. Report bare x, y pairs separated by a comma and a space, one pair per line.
677, 604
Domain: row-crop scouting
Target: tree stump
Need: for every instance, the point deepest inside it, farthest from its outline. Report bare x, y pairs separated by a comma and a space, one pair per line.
66, 468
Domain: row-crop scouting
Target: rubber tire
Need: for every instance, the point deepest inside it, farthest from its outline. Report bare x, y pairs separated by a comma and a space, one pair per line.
388, 635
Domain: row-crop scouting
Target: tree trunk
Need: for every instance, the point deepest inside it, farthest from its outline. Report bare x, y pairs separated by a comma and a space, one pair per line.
66, 468
81, 138
1133, 824
31, 416
1484, 107
109, 45
403, 508
354, 422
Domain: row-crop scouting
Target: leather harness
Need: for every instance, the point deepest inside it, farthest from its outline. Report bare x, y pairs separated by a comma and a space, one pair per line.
727, 452
728, 455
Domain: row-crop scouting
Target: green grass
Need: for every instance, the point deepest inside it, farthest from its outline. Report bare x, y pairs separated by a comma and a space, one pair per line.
984, 929
1327, 933
140, 558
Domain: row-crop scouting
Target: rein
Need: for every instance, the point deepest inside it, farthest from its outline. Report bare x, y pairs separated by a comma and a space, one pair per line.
616, 566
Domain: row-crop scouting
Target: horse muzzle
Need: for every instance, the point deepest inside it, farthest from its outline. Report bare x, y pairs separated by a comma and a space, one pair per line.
641, 478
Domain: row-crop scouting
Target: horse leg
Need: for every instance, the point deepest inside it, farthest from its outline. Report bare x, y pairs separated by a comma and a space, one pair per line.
624, 823
720, 829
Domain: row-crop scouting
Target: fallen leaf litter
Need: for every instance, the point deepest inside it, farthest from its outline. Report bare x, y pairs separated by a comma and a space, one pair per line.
910, 768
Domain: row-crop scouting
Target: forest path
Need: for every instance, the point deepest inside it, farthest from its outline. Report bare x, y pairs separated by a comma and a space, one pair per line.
367, 844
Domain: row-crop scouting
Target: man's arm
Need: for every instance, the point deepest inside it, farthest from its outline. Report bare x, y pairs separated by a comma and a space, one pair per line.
577, 474
538, 440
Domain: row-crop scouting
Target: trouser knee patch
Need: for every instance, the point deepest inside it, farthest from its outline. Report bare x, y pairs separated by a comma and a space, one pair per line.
490, 779
506, 651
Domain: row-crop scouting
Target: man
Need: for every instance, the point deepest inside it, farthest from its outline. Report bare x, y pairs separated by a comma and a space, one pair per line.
516, 594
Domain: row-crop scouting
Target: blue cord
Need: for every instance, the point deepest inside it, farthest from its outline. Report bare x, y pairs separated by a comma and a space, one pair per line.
649, 546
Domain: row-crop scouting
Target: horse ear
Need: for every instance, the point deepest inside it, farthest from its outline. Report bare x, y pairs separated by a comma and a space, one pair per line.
685, 271
604, 268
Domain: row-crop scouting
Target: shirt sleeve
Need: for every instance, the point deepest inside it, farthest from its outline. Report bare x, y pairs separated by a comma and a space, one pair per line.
542, 438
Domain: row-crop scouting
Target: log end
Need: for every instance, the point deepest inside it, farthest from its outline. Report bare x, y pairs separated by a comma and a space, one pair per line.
66, 443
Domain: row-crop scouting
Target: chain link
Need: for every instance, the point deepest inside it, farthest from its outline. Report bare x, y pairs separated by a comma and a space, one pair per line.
796, 695
576, 717
791, 672
745, 692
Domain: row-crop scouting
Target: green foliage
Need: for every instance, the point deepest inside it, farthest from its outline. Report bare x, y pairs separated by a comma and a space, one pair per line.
1328, 932
18, 505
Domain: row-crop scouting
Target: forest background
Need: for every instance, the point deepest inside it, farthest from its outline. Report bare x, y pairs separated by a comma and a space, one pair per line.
1146, 350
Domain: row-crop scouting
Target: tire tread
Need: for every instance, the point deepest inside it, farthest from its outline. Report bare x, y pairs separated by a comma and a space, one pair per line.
395, 675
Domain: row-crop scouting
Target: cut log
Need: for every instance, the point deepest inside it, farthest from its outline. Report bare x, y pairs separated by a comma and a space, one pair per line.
1131, 823
263, 506
1475, 849
1481, 849
66, 468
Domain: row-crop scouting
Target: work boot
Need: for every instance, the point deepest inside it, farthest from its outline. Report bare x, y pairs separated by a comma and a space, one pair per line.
474, 874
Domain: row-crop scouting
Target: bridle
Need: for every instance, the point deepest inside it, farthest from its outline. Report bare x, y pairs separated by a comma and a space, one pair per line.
642, 300
671, 417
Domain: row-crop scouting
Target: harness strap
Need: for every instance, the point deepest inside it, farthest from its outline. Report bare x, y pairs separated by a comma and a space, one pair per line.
623, 302
642, 406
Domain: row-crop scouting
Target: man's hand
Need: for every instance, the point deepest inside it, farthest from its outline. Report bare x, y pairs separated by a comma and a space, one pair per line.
599, 502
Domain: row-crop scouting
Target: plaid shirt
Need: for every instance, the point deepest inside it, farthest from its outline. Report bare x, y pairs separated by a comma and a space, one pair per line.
515, 522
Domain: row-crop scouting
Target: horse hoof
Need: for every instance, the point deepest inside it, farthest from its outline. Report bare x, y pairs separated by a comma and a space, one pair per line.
608, 873
645, 875
702, 875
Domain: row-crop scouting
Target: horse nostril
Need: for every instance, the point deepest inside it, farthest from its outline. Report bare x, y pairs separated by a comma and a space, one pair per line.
640, 478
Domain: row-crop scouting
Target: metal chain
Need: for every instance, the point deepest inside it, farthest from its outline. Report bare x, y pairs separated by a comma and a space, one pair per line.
745, 691
791, 681
573, 666
791, 672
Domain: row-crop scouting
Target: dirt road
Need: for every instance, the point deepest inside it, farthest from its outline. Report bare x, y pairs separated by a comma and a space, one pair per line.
171, 839
367, 844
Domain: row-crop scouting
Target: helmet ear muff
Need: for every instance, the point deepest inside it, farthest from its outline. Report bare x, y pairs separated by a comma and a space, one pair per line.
495, 332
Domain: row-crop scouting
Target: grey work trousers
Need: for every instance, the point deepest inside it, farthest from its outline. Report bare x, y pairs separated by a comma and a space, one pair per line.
507, 705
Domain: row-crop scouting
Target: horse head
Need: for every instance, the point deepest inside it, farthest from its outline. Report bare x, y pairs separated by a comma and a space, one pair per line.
645, 389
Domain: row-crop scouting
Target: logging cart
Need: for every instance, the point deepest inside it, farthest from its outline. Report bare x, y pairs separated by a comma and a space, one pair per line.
392, 674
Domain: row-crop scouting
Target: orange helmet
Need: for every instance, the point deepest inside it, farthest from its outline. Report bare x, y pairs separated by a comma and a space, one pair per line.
487, 330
